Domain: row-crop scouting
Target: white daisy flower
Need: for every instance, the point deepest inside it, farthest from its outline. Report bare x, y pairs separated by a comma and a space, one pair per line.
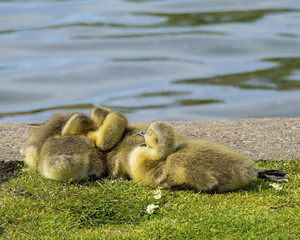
150, 208
276, 186
157, 196
157, 191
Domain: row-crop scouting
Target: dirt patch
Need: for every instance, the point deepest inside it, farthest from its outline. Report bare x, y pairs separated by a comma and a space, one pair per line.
9, 169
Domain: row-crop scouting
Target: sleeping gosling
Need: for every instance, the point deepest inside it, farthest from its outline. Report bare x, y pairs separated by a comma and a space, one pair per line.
171, 161
32, 146
57, 125
70, 157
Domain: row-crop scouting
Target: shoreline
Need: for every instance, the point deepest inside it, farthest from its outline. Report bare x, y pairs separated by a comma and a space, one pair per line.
258, 138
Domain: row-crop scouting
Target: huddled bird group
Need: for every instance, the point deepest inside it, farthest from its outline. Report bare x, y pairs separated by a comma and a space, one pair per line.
77, 146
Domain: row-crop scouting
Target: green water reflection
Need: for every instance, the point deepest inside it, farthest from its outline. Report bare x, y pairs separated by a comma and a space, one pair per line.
174, 104
275, 78
174, 100
205, 18
153, 94
65, 108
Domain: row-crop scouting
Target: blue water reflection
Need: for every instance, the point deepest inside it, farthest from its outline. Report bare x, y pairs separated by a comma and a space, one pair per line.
168, 59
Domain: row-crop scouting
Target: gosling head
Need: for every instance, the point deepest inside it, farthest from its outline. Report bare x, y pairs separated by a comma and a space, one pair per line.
161, 137
79, 124
99, 114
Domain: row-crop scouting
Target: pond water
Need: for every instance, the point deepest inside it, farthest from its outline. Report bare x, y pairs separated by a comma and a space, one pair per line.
155, 59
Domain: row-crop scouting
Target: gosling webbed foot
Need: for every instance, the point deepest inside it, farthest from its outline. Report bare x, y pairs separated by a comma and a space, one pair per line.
273, 175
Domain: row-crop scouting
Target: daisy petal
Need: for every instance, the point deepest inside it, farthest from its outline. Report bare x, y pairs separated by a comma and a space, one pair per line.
157, 191
276, 186
150, 208
157, 196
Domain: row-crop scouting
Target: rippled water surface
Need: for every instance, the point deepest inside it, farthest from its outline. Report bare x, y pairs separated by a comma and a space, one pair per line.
156, 59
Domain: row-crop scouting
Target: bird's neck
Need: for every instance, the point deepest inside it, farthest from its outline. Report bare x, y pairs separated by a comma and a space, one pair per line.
149, 154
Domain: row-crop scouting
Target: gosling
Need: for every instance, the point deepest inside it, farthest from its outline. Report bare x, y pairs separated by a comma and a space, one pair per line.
172, 161
70, 157
58, 124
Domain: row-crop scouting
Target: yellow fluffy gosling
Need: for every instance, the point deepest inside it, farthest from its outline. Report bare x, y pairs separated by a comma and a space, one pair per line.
201, 165
70, 157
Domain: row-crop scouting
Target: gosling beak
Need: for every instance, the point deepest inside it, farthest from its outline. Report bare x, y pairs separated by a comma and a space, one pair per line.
142, 133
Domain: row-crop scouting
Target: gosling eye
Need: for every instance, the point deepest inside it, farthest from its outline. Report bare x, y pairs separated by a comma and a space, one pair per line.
156, 140
150, 131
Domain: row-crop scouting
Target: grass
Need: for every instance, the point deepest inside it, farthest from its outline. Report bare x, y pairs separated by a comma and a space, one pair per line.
35, 208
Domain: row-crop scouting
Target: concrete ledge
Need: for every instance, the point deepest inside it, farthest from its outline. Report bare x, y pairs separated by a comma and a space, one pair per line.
263, 138
258, 138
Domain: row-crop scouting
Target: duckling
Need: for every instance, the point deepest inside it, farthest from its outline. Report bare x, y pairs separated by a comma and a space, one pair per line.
34, 142
70, 157
147, 162
169, 160
58, 124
